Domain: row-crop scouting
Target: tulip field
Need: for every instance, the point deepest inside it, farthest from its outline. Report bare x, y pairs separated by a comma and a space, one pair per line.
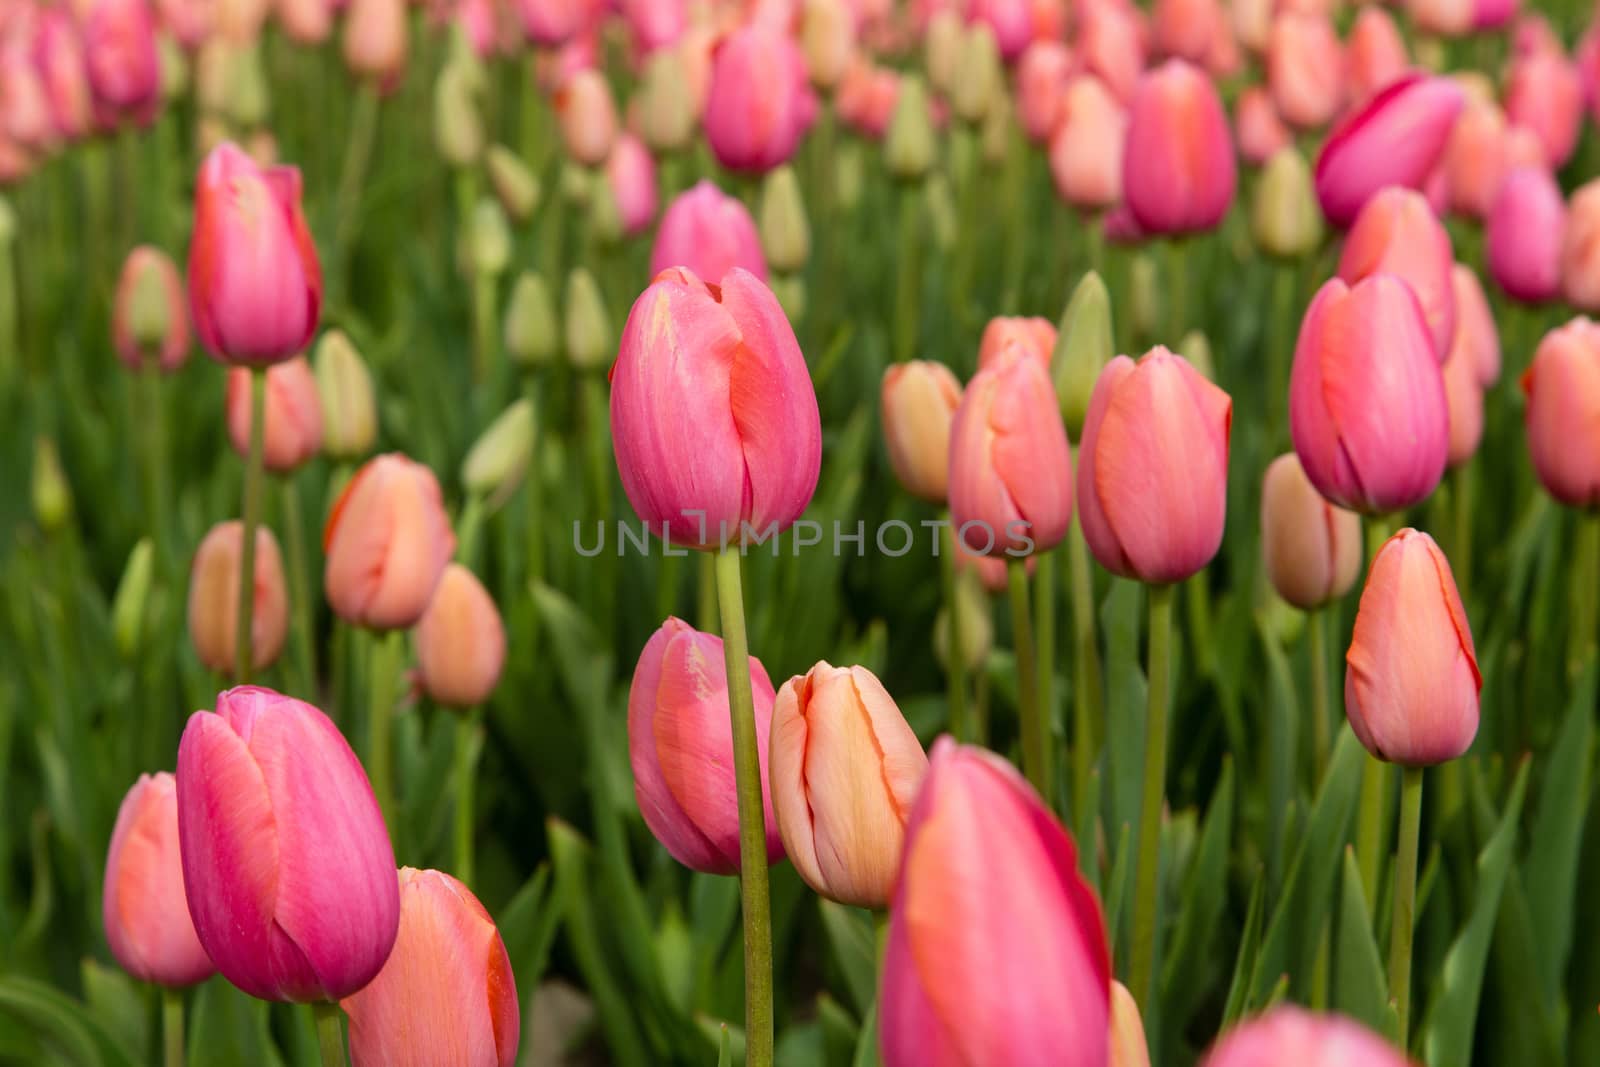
920, 533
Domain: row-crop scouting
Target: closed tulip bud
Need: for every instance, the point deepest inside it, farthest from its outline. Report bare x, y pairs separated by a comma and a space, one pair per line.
666, 103
919, 401
1258, 126
461, 643
713, 411
977, 75
1477, 337
387, 542
1010, 466
1177, 167
941, 49
1482, 151
255, 287
496, 461
680, 746
1128, 1048
1305, 69
293, 412
513, 183
375, 40
1398, 233
867, 98
1083, 348
631, 182
1523, 238
1284, 218
845, 768
131, 600
1144, 295
52, 494
709, 233
1152, 490
827, 39
939, 202
1196, 348
1041, 78
1464, 404
457, 121
530, 328
249, 99
146, 918
344, 390
848, 176
908, 146
589, 340
149, 321
1580, 248
214, 599
488, 239
1544, 93
63, 72
1562, 386
1185, 28
977, 624
1367, 409
1087, 145
785, 233
759, 104
994, 136
1036, 336
446, 993
119, 47
1290, 1034
1411, 675
1375, 53
286, 862
1397, 138
989, 885
1312, 548
588, 117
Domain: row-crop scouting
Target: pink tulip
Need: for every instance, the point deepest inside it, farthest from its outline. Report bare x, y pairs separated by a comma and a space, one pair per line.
1411, 675
631, 174
149, 274
1397, 233
1441, 18
308, 22
143, 908
286, 862
1477, 337
1396, 138
119, 42
1464, 403
997, 950
708, 232
1110, 45
1010, 467
1375, 54
1177, 167
1261, 132
1041, 84
1185, 29
1305, 69
1010, 21
1367, 409
63, 72
1545, 94
1035, 335
1152, 488
214, 598
759, 104
25, 116
1086, 148
1483, 149
680, 745
1533, 35
588, 117
845, 769
1523, 237
460, 641
866, 98
1312, 549
919, 405
255, 286
1562, 386
293, 414
387, 541
1580, 248
376, 39
1292, 1035
552, 22
1493, 14
655, 24
189, 21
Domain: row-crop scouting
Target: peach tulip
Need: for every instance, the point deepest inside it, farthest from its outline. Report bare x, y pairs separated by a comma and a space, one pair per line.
1086, 148
1374, 54
1312, 548
1464, 404
1580, 248
1110, 45
310, 22
214, 598
1185, 29
1036, 335
1291, 1035
1128, 1047
1483, 149
1398, 233
1441, 18
1260, 130
1562, 386
387, 541
631, 175
552, 22
1477, 336
461, 643
1396, 138
867, 97
1545, 94
1305, 69
827, 40
759, 104
1177, 167
376, 40
919, 403
149, 318
656, 24
1041, 83
293, 414
1522, 242
587, 116
708, 232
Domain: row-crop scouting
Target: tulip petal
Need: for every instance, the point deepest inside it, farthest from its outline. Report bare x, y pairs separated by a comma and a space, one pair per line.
1031, 455
1097, 530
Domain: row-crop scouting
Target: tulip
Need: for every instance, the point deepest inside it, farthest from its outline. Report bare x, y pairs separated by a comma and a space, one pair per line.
146, 918
498, 458
1312, 548
63, 72
1260, 130
387, 541
1305, 69
919, 403
665, 112
1441, 18
785, 232
1041, 80
1152, 490
1290, 1034
1185, 29
1177, 165
1397, 233
908, 140
713, 414
631, 175
132, 599
1411, 681
1375, 54
1110, 45
446, 994
255, 287
1524, 235
708, 233
214, 598
1010, 467
310, 22
513, 183
1009, 21
587, 327
286, 863
1083, 348
759, 104
531, 331
1128, 1048
587, 116
1545, 94
828, 40
552, 22
1284, 218
867, 99
845, 770
461, 643
997, 950
1482, 151
680, 745
149, 319
656, 24
1396, 138
375, 41
458, 129
1562, 386
977, 82
293, 414
1580, 248
119, 47
1464, 404
1086, 148
345, 396
49, 490
1036, 336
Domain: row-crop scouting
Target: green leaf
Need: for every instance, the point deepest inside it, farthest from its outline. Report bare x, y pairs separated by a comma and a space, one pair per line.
1244, 963
1190, 962
229, 1028
854, 948
1119, 889
62, 1022
528, 927
724, 1048
1125, 703
867, 1043
118, 1002
1283, 712
1360, 984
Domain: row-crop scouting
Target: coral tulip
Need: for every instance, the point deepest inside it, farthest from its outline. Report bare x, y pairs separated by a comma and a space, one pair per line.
1185, 29
759, 103
1523, 238
376, 41
1562, 386
1396, 138
1041, 81
150, 319
1312, 548
588, 117
214, 598
1305, 69
1086, 148
919, 404
63, 72
1464, 403
1375, 53
293, 431
1398, 233
1035, 335
1110, 45
387, 541
1178, 170
1545, 94
631, 175
1290, 1034
461, 643
709, 233
1260, 130
1483, 149
1128, 1047
1580, 248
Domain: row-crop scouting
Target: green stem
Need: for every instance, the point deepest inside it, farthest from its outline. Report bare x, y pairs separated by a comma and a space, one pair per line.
10, 317
1281, 353
1177, 288
358, 151
706, 595
1094, 241
757, 905
1035, 754
1405, 896
172, 1026
330, 1034
1586, 592
534, 481
469, 746
469, 525
1045, 621
597, 438
243, 648
964, 166
1318, 623
381, 688
1461, 561
1086, 710
956, 653
153, 418
1147, 882
1374, 777
908, 276
300, 596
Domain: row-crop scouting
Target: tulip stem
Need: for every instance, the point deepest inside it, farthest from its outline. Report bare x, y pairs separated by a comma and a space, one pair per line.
1375, 775
1318, 623
1586, 608
757, 905
1177, 289
153, 418
172, 1026
1147, 883
955, 652
300, 596
330, 1034
381, 686
1085, 672
1035, 755
1405, 898
908, 272
1461, 497
597, 436
243, 647
1045, 620
469, 746
358, 150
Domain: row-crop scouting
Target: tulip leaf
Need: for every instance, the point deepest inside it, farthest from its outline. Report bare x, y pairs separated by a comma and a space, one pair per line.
63, 1023
867, 1042
528, 927
229, 1028
1452, 1016
1283, 714
1119, 889
1244, 963
118, 1002
1191, 963
1360, 984
724, 1048
1125, 704
1522, 1022
850, 936
839, 1029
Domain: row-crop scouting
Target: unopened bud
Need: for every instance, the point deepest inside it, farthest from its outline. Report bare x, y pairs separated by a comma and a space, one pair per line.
52, 495
132, 599
588, 327
908, 146
942, 50
150, 299
1083, 348
666, 105
577, 184
495, 464
827, 37
1197, 350
605, 214
785, 233
531, 331
248, 97
490, 239
977, 625
1285, 217
977, 75
790, 289
847, 175
457, 121
1144, 297
174, 67
996, 132
940, 203
344, 389
514, 184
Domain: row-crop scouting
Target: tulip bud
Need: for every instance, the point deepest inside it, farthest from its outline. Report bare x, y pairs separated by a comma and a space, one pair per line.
1411, 681
344, 390
387, 541
52, 494
588, 117
1152, 491
461, 643
942, 45
939, 201
286, 863
1034, 335
1398, 233
977, 75
293, 432
827, 38
248, 99
1041, 78
995, 134
590, 342
631, 182
709, 233
1259, 129
1144, 295
149, 318
1305, 69
1545, 94
457, 124
977, 625
1177, 165
1128, 1048
446, 993
759, 104
848, 176
908, 147
785, 234
1464, 406
143, 908
919, 401
1396, 138
174, 65
514, 184
1562, 387
845, 768
497, 459
214, 599
666, 104
1196, 348
1083, 347
1285, 218
1522, 241
132, 599
1580, 248
1312, 548
680, 746
119, 47
530, 328
488, 240
1290, 1034
1086, 147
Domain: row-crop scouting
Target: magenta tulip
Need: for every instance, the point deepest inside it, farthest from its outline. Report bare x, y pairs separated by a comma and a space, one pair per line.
1396, 138
1178, 170
709, 233
1291, 1035
1523, 238
760, 101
